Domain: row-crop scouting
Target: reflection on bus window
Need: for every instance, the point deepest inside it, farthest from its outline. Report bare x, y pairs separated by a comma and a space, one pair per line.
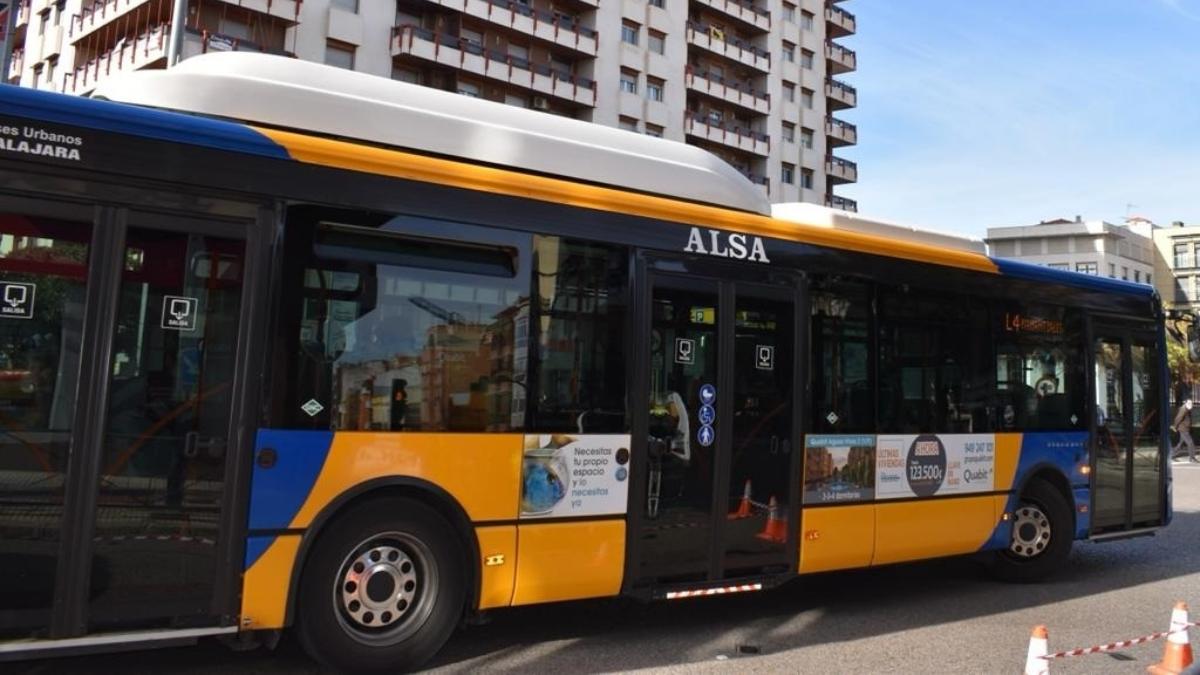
394, 336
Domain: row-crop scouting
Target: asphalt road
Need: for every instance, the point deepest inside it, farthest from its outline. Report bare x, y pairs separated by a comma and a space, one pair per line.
935, 617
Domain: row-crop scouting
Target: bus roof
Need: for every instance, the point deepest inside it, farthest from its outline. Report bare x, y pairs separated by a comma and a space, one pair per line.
301, 95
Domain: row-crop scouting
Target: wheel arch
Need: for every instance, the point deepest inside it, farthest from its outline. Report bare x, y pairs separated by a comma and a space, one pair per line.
391, 486
1054, 476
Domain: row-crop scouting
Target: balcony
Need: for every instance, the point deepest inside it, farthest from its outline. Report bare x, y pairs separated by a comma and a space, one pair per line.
840, 170
840, 133
747, 12
843, 203
739, 138
460, 54
841, 60
23, 14
839, 22
148, 49
840, 95
103, 12
714, 40
51, 42
556, 29
130, 53
15, 64
736, 93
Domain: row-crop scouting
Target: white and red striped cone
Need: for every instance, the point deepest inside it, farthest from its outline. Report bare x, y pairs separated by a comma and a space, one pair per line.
1039, 646
1177, 653
743, 509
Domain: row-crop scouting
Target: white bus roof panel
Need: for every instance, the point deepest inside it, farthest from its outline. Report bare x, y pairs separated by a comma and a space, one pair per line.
820, 216
300, 95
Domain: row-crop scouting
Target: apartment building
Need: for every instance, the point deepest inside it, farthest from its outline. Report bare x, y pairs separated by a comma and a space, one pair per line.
1177, 277
1091, 247
756, 82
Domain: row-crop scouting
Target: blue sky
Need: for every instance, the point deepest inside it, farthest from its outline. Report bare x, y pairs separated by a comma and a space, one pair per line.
973, 113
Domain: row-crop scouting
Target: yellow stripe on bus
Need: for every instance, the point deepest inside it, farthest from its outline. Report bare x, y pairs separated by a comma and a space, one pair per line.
482, 472
569, 561
397, 164
265, 585
1008, 453
837, 537
916, 530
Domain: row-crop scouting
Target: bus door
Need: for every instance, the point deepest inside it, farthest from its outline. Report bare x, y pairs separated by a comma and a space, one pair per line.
121, 359
719, 494
1128, 458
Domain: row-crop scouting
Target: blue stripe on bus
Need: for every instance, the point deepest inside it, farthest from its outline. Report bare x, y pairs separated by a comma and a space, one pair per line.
136, 121
1066, 451
255, 547
277, 492
1040, 273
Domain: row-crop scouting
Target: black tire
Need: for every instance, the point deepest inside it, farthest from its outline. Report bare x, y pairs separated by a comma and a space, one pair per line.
1030, 556
412, 624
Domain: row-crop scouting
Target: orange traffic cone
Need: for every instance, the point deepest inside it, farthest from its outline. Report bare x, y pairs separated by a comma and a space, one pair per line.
1177, 653
743, 509
1039, 645
776, 529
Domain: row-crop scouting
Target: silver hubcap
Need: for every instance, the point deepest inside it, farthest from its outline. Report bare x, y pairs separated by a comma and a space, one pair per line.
1030, 532
385, 588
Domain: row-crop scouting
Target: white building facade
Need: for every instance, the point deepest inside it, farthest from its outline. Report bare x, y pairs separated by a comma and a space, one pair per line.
1089, 247
756, 82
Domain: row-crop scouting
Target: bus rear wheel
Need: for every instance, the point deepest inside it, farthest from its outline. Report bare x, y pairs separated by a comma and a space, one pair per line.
383, 589
1041, 536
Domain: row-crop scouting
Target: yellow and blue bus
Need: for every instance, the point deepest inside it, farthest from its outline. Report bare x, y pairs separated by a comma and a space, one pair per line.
284, 346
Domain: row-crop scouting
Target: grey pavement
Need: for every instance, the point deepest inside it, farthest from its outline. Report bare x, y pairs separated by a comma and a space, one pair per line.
943, 616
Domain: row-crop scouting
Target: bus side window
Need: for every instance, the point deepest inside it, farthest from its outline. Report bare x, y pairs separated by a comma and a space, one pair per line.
1039, 369
934, 364
843, 391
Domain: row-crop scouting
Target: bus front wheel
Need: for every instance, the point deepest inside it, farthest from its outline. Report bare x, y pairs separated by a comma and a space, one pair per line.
383, 589
1041, 535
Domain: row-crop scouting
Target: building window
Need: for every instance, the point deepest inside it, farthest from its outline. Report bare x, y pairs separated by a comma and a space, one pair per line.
1137, 276
516, 100
788, 174
1196, 254
806, 98
654, 88
1059, 266
806, 179
1125, 273
654, 130
468, 89
629, 81
1196, 288
406, 75
51, 64
1148, 278
806, 138
789, 131
657, 3
629, 32
789, 12
1112, 270
1181, 256
657, 41
1086, 268
627, 123
806, 20
348, 5
806, 59
789, 52
339, 55
789, 92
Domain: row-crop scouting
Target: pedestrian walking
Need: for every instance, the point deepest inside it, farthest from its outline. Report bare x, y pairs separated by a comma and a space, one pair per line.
1183, 425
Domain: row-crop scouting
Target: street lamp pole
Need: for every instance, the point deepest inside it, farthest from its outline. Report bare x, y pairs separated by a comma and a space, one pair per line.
175, 40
